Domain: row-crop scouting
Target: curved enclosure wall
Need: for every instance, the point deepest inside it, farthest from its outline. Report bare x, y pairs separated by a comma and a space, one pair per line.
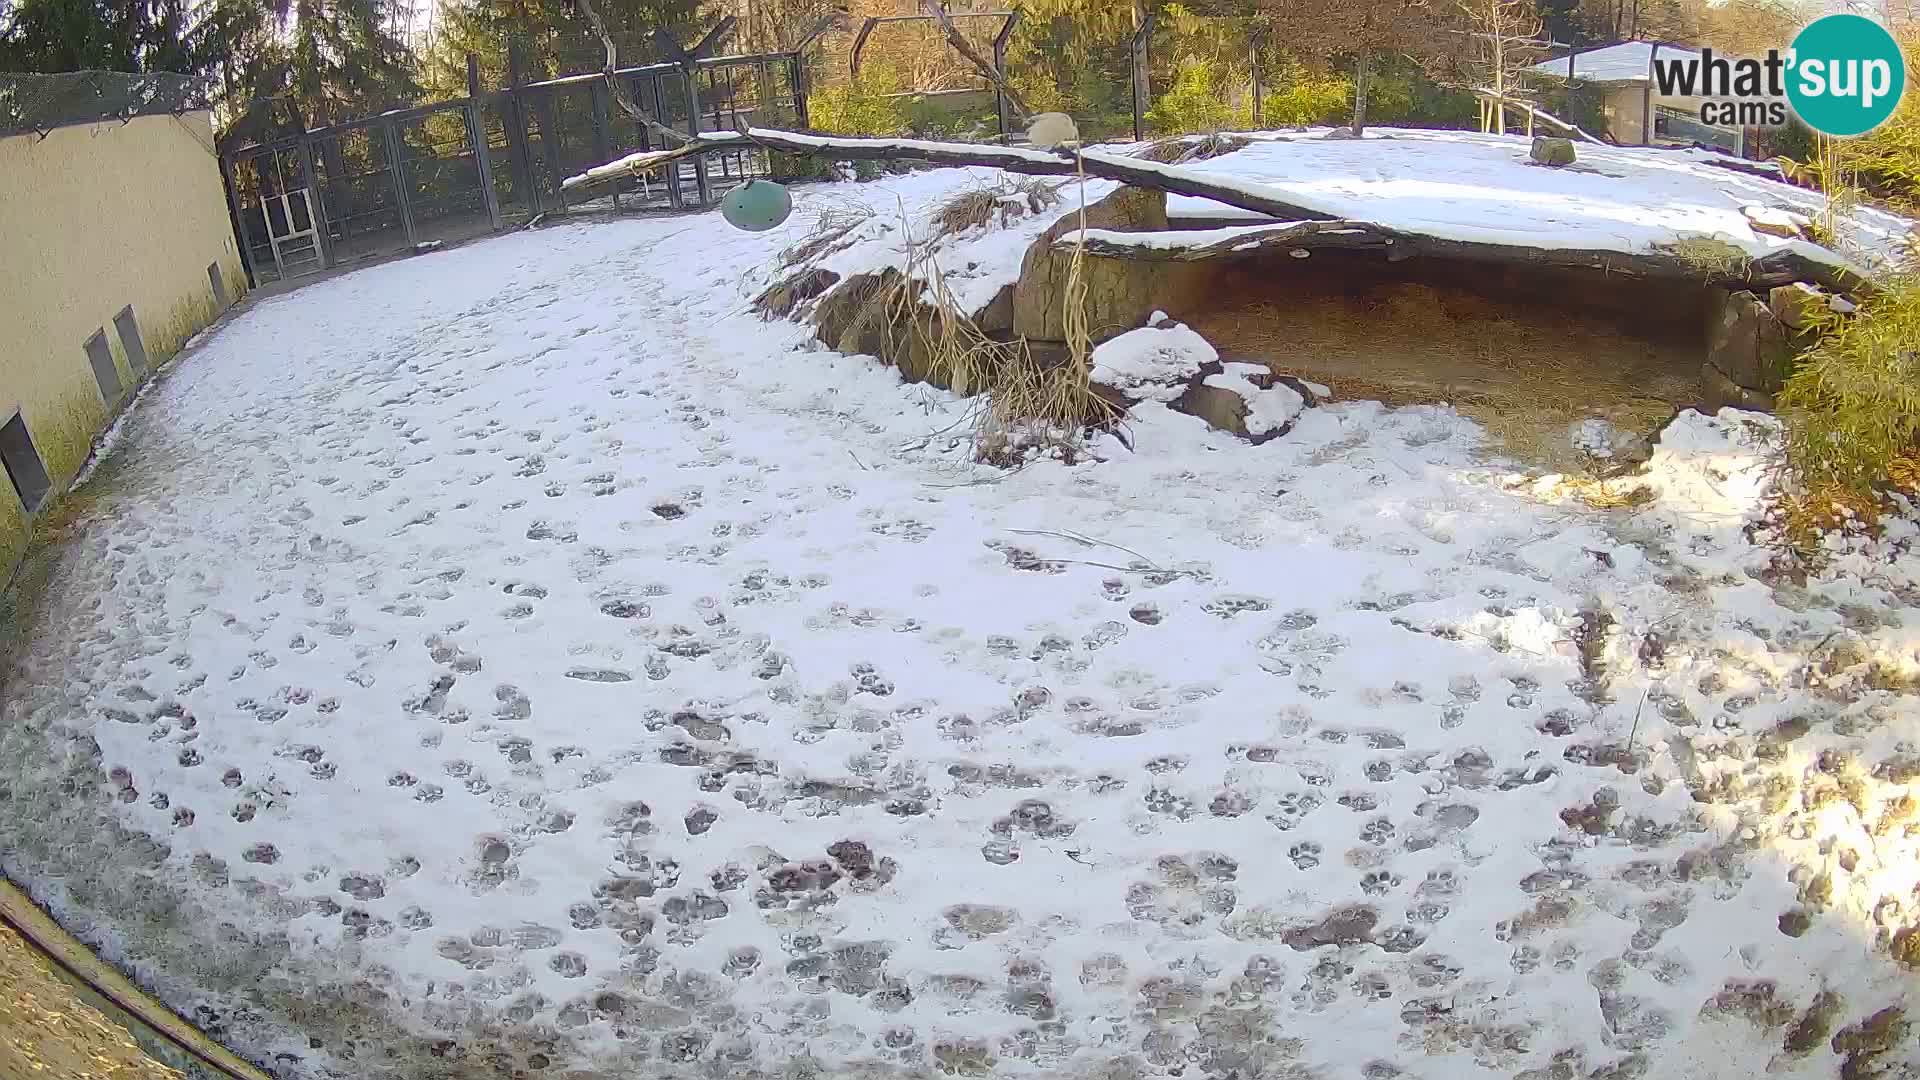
115, 248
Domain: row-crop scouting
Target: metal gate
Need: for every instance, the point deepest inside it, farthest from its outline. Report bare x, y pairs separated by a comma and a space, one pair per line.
274, 209
292, 234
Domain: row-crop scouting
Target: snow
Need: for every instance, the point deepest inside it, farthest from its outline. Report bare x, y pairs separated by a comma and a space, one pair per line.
528, 658
1153, 362
1481, 189
1629, 61
893, 213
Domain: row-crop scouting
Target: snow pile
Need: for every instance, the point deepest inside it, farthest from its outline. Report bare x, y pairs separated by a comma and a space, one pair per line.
1480, 188
883, 218
1155, 362
1268, 408
1720, 469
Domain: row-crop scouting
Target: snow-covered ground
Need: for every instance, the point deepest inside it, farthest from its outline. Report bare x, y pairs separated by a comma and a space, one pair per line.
520, 657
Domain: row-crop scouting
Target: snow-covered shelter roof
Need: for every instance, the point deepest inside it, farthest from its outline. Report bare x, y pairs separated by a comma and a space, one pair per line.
1483, 189
1629, 61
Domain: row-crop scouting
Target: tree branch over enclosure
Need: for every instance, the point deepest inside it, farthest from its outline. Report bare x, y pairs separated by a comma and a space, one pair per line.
966, 50
1311, 227
614, 86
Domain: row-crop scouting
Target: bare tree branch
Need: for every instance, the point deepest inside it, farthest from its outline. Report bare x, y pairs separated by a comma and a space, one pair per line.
972, 56
619, 91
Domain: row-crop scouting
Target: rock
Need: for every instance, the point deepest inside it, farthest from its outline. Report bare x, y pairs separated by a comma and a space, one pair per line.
1773, 221
996, 319
1747, 345
1121, 293
1796, 305
1153, 363
845, 318
780, 298
1220, 407
1243, 399
1721, 392
1607, 444
1548, 150
1776, 348
1312, 393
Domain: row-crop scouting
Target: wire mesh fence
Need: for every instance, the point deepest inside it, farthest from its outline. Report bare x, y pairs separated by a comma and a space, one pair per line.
456, 169
41, 103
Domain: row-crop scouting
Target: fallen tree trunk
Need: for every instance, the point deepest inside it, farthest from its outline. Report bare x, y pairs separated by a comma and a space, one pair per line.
1315, 227
1096, 163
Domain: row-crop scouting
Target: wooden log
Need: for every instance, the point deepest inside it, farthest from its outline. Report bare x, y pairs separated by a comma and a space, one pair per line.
1256, 241
1097, 163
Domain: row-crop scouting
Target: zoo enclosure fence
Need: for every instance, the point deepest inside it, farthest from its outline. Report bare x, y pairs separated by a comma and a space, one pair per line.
452, 170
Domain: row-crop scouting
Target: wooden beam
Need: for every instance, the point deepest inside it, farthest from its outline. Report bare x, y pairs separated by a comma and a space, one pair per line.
1306, 237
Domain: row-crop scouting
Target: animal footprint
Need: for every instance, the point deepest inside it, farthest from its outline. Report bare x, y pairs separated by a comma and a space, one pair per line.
1305, 855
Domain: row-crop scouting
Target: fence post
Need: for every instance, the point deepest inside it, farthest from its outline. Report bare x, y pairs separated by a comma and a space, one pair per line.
602, 136
797, 75
1140, 37
672, 177
514, 115
1253, 54
477, 134
323, 235
336, 167
550, 145
693, 130
239, 227
397, 169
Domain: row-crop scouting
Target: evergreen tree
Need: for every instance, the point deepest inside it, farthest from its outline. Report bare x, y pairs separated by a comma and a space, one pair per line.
551, 38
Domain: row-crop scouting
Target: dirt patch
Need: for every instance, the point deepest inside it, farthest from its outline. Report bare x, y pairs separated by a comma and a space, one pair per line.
1525, 351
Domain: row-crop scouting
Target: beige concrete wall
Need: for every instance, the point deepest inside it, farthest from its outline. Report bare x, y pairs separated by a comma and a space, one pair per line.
95, 217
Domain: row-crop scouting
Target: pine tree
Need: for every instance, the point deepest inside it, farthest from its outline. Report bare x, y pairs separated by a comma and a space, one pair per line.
551, 39
346, 59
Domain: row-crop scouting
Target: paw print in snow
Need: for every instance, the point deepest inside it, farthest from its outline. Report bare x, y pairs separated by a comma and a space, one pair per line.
1377, 831
1163, 801
1305, 855
868, 681
1291, 808
1378, 882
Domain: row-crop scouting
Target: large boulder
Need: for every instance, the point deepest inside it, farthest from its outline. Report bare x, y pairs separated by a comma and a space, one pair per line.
1156, 362
1121, 293
1243, 399
1747, 345
1720, 392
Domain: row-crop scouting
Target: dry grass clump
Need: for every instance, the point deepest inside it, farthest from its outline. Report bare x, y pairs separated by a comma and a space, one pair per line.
1180, 149
1711, 256
1029, 403
1603, 493
1003, 202
832, 221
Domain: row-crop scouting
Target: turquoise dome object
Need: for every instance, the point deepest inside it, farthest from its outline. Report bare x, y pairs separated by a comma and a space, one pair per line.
756, 206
